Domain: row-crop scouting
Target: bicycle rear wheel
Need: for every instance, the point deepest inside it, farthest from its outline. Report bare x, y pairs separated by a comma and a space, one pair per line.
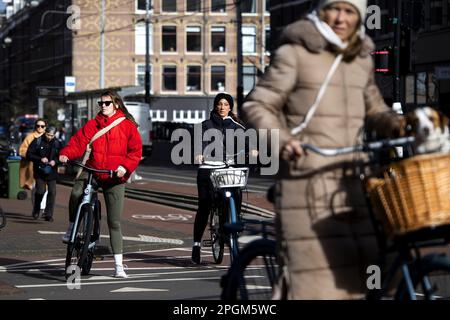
253, 274
430, 279
78, 250
216, 229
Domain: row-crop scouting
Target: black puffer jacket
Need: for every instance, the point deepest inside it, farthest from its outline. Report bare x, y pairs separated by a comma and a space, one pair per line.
215, 122
41, 148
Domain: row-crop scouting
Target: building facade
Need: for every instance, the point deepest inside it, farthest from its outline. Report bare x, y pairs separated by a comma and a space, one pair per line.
193, 50
427, 80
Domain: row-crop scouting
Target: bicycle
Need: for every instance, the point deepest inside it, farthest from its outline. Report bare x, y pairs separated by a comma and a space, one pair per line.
417, 270
86, 229
226, 181
252, 276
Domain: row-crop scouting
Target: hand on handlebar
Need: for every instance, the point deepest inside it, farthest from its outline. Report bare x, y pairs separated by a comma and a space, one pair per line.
292, 150
63, 159
199, 159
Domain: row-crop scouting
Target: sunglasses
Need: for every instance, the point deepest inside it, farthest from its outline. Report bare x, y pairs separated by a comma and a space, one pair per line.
40, 126
107, 103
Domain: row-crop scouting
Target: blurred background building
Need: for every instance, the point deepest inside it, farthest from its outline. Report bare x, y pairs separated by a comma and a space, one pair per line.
193, 54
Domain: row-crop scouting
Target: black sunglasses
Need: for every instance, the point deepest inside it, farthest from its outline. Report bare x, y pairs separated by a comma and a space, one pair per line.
107, 103
40, 126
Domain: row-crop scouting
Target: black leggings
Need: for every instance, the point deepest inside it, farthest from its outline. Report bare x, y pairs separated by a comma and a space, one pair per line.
205, 200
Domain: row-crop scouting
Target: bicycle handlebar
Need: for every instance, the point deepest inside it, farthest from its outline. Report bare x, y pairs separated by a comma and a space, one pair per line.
228, 162
365, 147
78, 164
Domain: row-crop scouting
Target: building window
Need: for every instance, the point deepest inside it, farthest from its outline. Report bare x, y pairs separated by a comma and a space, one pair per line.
169, 5
248, 6
169, 76
139, 38
421, 87
436, 12
267, 44
267, 6
218, 6
193, 78
176, 115
169, 38
140, 6
218, 78
218, 39
193, 5
193, 39
249, 78
140, 75
249, 39
159, 115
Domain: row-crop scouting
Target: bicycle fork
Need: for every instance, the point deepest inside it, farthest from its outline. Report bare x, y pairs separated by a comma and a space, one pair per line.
233, 235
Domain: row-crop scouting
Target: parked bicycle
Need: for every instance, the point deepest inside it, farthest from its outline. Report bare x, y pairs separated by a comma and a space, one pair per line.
86, 229
252, 276
227, 182
422, 275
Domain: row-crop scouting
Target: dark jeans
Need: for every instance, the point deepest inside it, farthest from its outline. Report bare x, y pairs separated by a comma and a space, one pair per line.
205, 201
39, 194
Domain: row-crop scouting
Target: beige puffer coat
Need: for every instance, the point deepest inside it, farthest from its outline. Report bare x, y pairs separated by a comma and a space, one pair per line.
325, 235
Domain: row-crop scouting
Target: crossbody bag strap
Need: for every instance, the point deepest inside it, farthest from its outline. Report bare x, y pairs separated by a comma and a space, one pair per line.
319, 97
87, 153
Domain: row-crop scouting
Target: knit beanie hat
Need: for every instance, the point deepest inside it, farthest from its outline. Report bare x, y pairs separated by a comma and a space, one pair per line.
225, 96
361, 5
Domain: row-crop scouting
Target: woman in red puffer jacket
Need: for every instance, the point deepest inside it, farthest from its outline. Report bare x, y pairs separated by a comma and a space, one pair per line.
119, 149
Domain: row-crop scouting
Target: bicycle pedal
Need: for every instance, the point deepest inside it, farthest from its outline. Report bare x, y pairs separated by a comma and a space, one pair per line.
207, 243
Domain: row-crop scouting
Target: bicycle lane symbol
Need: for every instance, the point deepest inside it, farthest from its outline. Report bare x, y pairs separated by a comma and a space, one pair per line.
168, 217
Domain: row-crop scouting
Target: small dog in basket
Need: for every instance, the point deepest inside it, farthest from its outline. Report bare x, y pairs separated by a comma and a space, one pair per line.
431, 129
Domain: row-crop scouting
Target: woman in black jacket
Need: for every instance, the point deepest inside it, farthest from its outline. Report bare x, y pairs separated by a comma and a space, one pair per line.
43, 152
221, 119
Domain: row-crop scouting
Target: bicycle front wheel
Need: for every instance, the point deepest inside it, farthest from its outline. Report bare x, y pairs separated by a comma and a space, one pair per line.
216, 228
78, 250
253, 274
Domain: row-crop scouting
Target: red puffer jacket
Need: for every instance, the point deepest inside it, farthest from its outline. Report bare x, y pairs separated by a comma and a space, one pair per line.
120, 146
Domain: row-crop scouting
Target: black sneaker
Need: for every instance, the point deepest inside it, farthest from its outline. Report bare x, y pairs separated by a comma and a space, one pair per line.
49, 219
196, 254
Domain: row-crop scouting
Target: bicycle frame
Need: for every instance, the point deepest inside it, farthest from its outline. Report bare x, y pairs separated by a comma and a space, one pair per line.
412, 266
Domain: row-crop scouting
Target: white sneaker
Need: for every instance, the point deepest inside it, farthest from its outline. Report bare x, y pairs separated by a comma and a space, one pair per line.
66, 237
120, 271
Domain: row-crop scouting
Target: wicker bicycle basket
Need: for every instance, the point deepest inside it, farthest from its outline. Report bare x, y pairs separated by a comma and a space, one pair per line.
413, 194
229, 178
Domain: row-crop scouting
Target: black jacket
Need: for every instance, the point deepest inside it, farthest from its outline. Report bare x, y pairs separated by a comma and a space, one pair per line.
41, 148
215, 122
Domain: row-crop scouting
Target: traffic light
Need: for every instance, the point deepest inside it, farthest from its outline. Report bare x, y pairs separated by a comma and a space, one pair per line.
383, 61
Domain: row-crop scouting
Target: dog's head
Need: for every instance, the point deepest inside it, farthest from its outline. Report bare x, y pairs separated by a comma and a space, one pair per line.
430, 127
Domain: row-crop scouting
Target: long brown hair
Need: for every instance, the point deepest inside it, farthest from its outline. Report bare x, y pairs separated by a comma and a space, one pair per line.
118, 102
355, 43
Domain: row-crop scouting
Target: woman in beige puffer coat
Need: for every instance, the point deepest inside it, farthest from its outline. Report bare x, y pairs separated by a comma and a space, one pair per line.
325, 237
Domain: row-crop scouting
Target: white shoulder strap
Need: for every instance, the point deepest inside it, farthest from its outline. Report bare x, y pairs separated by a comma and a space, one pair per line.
319, 97
106, 129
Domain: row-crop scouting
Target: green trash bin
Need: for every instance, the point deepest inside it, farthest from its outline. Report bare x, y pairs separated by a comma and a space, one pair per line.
14, 190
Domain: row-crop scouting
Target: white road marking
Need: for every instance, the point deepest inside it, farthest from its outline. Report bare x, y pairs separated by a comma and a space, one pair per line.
169, 217
131, 289
141, 238
115, 282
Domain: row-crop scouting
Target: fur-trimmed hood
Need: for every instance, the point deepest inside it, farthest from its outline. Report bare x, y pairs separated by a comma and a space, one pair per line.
304, 32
